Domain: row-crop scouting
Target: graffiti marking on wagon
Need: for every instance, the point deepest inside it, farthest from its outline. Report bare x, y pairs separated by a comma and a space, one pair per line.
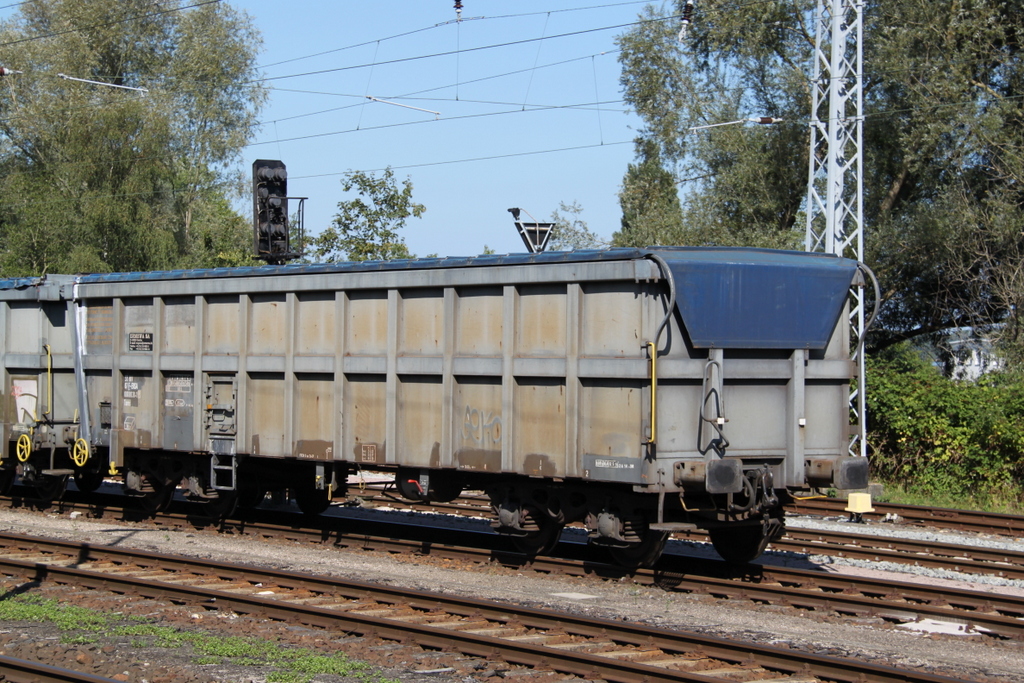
482, 428
24, 393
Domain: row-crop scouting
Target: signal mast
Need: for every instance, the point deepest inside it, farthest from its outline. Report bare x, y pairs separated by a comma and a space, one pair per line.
835, 205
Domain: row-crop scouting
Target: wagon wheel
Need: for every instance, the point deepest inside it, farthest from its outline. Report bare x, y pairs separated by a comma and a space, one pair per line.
542, 540
739, 543
223, 506
50, 487
311, 500
643, 554
7, 480
250, 495
88, 481
444, 489
159, 499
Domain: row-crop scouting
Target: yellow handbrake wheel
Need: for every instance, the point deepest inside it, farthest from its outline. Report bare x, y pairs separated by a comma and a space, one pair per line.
23, 449
80, 455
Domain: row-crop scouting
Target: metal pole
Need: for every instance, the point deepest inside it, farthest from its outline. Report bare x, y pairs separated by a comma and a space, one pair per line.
835, 207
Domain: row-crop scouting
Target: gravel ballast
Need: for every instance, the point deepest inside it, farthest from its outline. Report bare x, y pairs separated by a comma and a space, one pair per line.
971, 657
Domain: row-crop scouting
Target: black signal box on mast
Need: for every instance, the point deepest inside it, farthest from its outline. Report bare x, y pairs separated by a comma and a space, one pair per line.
271, 231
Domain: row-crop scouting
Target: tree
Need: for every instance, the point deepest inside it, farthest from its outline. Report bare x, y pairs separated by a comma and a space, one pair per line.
366, 226
571, 231
943, 154
96, 178
651, 213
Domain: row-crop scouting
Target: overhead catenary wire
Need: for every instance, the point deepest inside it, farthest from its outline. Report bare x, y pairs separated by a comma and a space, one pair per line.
881, 113
713, 11
459, 82
401, 166
597, 96
435, 26
447, 162
581, 107
489, 77
419, 122
510, 155
277, 140
536, 60
411, 95
449, 53
709, 91
892, 112
369, 80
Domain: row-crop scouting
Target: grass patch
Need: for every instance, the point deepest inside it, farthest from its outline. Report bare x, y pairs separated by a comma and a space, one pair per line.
288, 677
997, 500
293, 665
153, 635
296, 665
27, 607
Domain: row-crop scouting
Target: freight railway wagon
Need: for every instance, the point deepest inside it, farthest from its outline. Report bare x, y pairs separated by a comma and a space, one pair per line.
636, 391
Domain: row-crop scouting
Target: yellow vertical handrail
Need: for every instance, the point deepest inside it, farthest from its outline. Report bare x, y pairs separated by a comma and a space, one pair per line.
49, 380
653, 349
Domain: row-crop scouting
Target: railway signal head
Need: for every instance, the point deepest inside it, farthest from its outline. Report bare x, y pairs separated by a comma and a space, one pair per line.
271, 240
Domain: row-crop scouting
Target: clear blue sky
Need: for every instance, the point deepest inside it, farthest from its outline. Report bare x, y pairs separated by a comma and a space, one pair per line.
514, 77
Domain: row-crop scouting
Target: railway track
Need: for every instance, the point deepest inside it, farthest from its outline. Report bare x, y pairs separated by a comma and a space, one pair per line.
566, 643
806, 589
15, 670
810, 589
942, 518
953, 557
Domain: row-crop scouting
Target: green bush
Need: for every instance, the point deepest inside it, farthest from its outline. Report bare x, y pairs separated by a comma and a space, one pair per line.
933, 435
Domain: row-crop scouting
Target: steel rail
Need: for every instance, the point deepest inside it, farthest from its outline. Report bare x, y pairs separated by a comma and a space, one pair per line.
801, 588
15, 670
991, 613
954, 557
522, 652
934, 554
945, 518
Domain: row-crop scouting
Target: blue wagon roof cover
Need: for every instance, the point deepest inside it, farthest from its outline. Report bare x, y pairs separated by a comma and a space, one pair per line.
759, 298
